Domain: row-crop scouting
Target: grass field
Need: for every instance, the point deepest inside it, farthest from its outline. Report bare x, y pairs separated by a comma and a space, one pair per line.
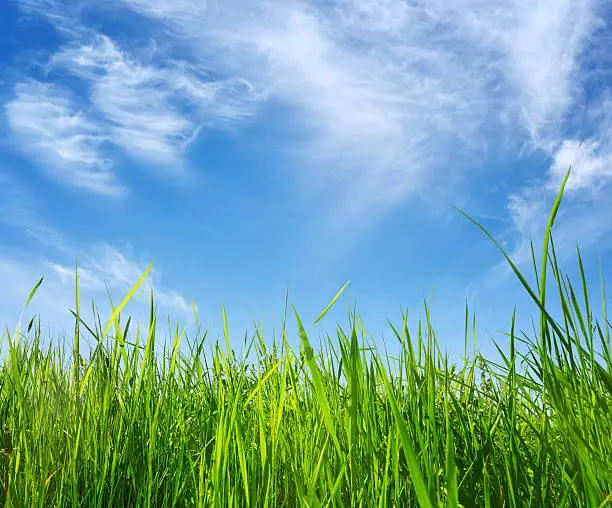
346, 425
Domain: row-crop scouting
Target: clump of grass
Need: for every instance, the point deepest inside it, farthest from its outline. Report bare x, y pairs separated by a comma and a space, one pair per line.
347, 426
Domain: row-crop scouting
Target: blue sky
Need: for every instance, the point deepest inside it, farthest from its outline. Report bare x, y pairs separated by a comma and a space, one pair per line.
249, 147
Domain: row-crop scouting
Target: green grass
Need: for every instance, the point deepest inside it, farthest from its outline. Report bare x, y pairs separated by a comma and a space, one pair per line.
345, 425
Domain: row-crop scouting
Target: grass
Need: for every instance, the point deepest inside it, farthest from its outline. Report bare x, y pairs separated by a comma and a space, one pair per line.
345, 425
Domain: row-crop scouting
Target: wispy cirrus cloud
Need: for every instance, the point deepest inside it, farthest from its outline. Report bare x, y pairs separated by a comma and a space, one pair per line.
383, 98
586, 208
104, 266
58, 132
583, 218
381, 85
591, 163
152, 111
56, 296
369, 104
536, 49
101, 267
134, 101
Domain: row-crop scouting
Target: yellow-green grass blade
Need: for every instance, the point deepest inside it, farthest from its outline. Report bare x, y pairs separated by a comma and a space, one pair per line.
125, 301
317, 381
330, 304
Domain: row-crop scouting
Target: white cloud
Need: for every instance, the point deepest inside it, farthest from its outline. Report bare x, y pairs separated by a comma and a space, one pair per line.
153, 112
380, 86
591, 165
375, 87
528, 213
112, 266
370, 106
586, 208
172, 300
534, 46
582, 219
134, 100
67, 275
19, 274
543, 57
385, 16
104, 266
582, 222
58, 133
537, 48
385, 96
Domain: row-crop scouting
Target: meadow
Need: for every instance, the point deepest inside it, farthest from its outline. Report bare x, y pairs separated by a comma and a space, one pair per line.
333, 422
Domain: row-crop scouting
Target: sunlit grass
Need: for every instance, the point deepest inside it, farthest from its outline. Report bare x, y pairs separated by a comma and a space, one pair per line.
196, 425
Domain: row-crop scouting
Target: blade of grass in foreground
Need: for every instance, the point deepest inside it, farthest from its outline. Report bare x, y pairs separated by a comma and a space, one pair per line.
539, 300
125, 301
34, 290
317, 381
420, 487
330, 304
76, 345
113, 320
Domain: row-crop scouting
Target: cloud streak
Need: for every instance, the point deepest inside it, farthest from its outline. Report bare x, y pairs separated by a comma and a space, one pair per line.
59, 134
381, 98
104, 266
380, 86
591, 163
151, 111
370, 108
586, 209
134, 101
535, 47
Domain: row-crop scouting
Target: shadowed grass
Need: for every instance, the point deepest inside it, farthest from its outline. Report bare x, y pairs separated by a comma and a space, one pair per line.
343, 426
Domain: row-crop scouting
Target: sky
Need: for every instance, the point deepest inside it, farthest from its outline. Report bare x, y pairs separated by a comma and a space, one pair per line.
253, 148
